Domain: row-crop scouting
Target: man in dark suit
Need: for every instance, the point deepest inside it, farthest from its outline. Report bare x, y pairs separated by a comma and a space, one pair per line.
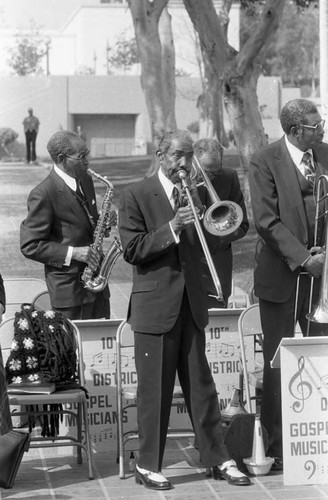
59, 228
168, 313
2, 298
226, 185
282, 179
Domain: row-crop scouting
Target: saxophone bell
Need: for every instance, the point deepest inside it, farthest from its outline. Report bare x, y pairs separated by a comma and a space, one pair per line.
96, 280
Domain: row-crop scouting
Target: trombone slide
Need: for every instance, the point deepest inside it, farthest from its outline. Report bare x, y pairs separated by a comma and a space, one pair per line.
209, 260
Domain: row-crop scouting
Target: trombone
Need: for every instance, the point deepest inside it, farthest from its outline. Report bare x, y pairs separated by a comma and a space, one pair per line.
220, 219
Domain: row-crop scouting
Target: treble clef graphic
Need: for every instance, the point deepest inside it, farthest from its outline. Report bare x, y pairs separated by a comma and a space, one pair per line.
300, 390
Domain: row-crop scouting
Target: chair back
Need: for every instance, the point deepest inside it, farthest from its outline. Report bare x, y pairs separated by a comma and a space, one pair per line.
41, 301
20, 290
6, 337
249, 322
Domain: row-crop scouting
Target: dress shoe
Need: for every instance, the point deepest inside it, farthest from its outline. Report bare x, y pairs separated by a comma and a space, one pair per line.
230, 473
278, 465
152, 480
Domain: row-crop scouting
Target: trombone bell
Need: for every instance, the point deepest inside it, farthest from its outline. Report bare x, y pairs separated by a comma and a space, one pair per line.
223, 218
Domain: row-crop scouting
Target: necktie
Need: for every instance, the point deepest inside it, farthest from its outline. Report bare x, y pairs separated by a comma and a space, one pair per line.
176, 198
309, 171
79, 193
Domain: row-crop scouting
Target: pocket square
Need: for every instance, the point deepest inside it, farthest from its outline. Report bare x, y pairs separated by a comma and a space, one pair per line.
93, 202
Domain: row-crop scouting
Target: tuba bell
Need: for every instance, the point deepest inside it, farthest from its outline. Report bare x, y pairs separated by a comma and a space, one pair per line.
222, 217
319, 314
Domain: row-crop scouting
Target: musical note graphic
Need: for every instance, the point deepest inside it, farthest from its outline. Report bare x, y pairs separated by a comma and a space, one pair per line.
323, 381
301, 390
124, 357
208, 347
227, 349
310, 466
97, 359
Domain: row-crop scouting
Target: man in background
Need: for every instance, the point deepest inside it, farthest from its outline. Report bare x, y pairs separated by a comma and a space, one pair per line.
31, 128
226, 185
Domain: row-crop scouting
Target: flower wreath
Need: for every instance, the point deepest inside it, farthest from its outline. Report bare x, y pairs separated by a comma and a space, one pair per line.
43, 348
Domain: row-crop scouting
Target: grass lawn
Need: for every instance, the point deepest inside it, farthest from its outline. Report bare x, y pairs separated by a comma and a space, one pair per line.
17, 180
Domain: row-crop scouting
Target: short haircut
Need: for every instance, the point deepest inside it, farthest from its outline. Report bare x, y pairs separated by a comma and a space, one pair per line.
61, 143
207, 145
295, 112
168, 137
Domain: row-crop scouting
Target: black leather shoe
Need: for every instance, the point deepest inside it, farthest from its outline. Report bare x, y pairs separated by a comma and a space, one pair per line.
148, 482
278, 465
228, 473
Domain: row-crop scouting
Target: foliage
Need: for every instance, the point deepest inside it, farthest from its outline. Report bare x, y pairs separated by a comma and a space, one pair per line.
29, 49
124, 53
84, 70
293, 53
7, 137
193, 127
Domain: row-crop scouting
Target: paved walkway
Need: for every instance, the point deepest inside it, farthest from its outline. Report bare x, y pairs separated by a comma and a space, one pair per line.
44, 475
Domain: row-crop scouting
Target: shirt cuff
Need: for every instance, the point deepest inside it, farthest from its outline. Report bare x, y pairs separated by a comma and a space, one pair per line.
303, 264
67, 261
175, 236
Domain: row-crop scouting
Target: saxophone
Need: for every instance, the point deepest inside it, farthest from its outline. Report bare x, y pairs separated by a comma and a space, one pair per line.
95, 280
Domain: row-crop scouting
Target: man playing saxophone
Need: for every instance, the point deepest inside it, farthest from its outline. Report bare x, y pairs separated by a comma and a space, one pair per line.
59, 229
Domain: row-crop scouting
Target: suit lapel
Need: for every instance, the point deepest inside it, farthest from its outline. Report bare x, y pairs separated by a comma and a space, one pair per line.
162, 205
286, 170
68, 199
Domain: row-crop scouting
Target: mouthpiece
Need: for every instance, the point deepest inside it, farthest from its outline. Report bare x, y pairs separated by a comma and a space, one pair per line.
182, 174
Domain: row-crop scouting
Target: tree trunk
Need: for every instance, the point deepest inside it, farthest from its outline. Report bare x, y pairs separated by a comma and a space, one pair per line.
168, 69
146, 15
236, 71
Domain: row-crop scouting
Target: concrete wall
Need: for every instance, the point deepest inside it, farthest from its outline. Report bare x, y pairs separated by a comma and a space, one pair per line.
112, 109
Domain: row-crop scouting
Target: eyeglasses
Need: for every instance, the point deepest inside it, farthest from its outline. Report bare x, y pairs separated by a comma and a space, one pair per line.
82, 157
316, 127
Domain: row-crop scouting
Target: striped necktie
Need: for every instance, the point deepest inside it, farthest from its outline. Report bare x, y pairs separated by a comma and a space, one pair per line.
176, 199
309, 171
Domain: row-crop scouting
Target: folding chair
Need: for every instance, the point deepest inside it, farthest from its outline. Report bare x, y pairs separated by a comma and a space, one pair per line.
128, 393
249, 324
74, 398
41, 301
20, 290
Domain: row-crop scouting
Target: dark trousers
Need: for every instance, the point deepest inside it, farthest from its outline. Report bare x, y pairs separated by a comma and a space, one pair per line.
158, 359
277, 322
92, 310
30, 136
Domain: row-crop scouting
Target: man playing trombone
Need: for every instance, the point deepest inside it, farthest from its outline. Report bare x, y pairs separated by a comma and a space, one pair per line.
168, 313
283, 178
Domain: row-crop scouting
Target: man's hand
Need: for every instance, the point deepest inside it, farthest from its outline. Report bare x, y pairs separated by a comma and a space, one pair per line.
194, 194
86, 254
314, 265
182, 218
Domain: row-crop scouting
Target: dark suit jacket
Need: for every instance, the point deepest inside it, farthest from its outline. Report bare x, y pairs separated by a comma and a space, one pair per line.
55, 221
161, 268
227, 187
280, 219
2, 293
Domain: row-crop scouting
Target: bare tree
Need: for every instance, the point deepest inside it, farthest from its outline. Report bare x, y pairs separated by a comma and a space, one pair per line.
152, 25
237, 72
